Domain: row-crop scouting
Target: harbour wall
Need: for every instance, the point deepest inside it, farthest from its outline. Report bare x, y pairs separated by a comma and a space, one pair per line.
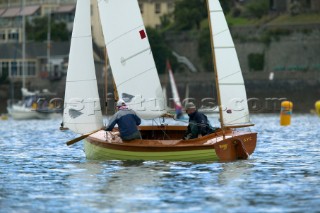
264, 95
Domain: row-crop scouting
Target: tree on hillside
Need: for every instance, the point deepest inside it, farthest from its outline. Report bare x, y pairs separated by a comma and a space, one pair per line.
257, 9
188, 14
37, 30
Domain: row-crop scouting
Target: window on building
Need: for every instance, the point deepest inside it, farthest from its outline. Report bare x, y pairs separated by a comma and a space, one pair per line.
4, 70
19, 68
13, 36
141, 7
157, 8
31, 68
2, 36
14, 71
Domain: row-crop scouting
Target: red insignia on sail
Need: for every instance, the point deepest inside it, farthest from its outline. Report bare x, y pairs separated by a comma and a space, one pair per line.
142, 34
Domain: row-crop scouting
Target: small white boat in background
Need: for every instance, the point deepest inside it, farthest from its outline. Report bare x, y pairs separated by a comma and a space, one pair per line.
34, 105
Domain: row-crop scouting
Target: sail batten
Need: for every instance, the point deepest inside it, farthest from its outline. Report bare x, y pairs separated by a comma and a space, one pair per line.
82, 110
229, 79
131, 58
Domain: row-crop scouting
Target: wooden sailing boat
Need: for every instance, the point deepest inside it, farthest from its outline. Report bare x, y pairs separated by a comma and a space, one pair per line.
138, 84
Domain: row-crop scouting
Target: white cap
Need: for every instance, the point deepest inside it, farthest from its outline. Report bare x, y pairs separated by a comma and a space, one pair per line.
121, 103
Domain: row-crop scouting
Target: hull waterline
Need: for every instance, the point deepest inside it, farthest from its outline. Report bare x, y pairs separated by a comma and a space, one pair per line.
213, 147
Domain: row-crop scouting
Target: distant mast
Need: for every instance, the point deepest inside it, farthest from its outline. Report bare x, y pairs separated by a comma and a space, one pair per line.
174, 91
49, 42
23, 45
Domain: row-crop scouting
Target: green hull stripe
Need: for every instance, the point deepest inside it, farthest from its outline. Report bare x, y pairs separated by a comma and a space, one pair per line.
94, 152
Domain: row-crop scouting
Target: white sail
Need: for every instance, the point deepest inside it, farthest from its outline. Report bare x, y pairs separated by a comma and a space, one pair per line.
130, 57
233, 98
82, 110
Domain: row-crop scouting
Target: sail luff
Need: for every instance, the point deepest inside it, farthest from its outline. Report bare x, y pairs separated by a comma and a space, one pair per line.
82, 110
214, 66
231, 91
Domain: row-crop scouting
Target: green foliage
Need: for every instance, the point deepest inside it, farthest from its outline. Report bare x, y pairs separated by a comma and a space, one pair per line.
295, 8
165, 21
160, 50
257, 9
256, 61
37, 30
189, 14
273, 34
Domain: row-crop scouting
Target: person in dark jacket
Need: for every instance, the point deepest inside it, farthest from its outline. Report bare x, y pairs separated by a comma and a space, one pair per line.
199, 124
127, 121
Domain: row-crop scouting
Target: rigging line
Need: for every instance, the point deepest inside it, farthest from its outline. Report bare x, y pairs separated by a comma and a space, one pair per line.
108, 43
123, 60
229, 75
161, 129
135, 76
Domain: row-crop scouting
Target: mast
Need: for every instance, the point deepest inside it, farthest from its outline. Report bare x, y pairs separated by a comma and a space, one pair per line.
106, 78
23, 45
49, 42
215, 67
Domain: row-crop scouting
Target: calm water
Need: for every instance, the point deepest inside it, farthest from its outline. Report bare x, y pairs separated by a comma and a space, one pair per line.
39, 173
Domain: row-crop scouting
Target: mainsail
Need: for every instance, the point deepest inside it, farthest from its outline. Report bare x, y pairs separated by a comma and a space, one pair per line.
130, 57
82, 110
231, 88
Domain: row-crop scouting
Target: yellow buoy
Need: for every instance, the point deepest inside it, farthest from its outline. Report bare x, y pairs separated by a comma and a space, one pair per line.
4, 117
286, 112
317, 105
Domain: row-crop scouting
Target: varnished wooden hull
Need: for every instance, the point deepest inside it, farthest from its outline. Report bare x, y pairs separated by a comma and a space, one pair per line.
214, 147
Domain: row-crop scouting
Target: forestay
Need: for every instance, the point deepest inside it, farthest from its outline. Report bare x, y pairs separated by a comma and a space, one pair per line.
82, 112
233, 98
130, 56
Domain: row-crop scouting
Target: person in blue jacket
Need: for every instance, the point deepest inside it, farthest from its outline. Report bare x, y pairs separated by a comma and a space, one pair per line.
127, 121
199, 124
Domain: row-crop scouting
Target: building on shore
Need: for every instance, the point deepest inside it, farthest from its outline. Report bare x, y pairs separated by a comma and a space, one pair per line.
46, 58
